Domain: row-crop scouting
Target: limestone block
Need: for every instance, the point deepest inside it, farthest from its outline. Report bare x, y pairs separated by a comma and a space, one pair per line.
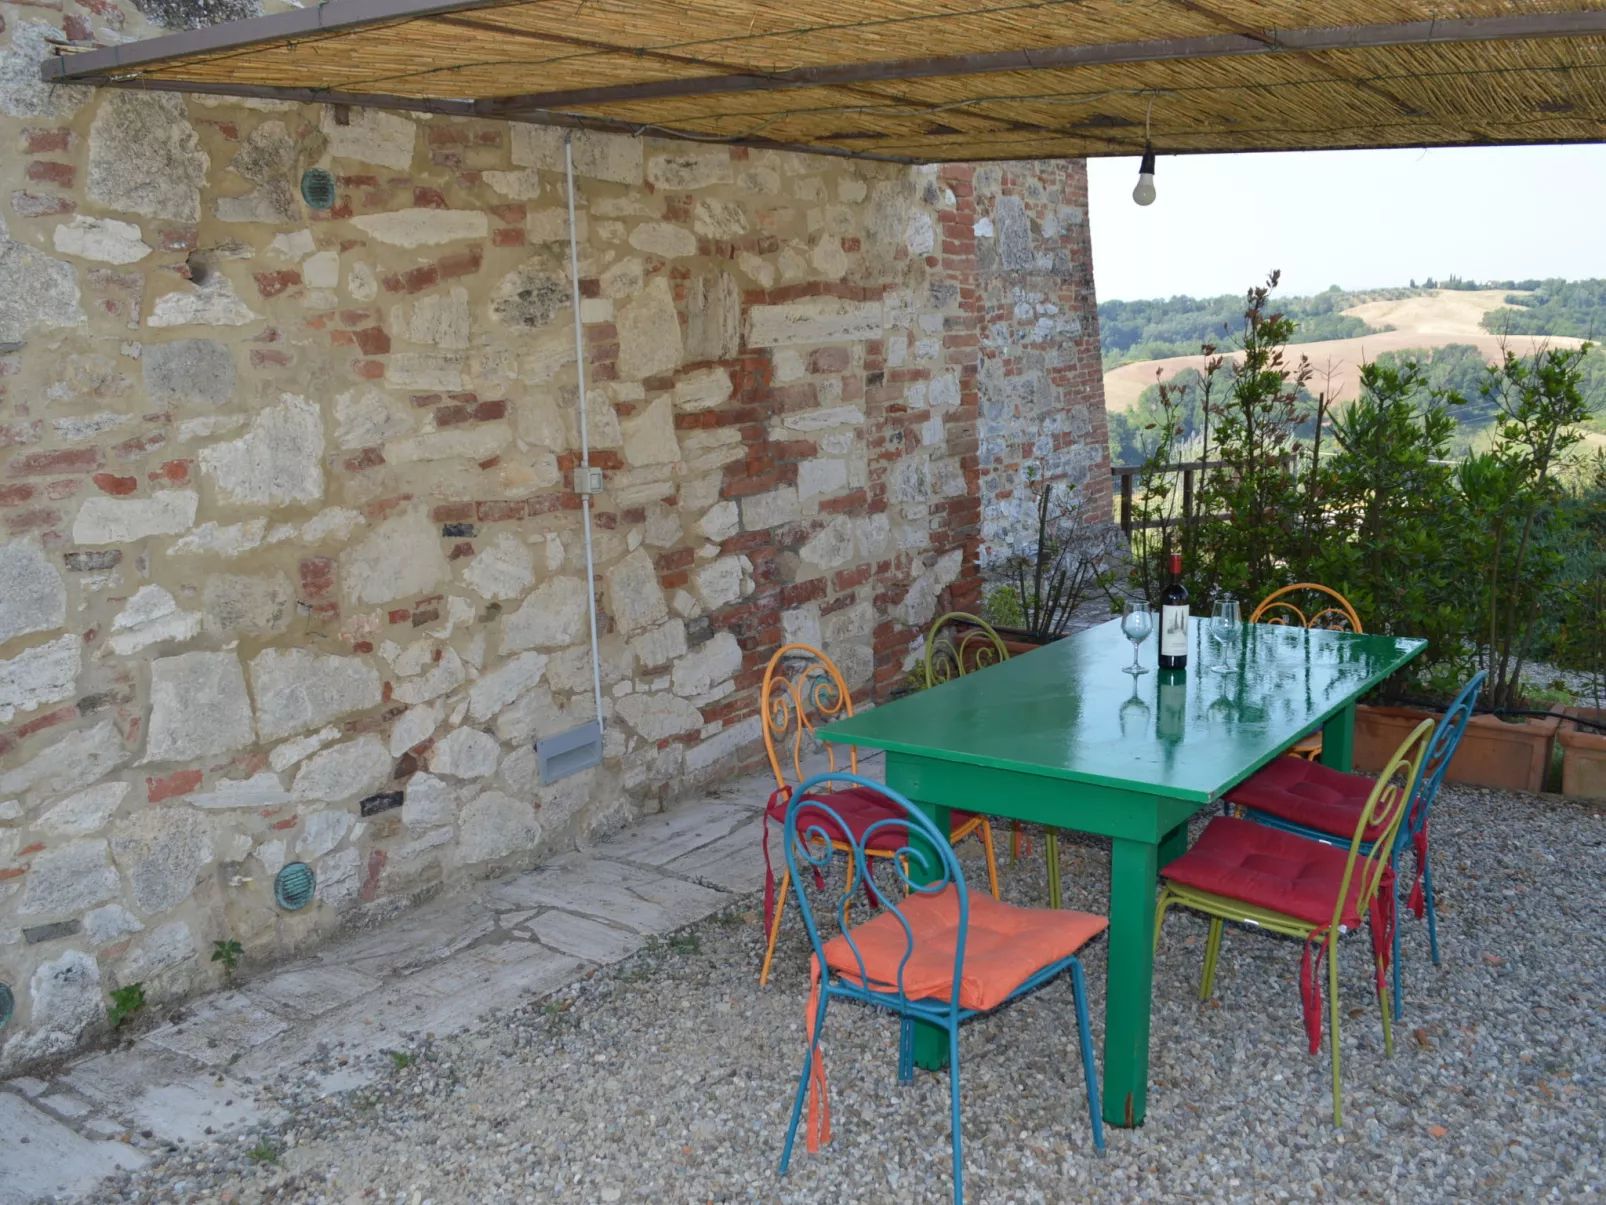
722, 521
442, 321
35, 291
919, 234
152, 615
22, 92
428, 803
719, 219
503, 568
664, 239
660, 645
493, 825
105, 925
343, 772
810, 421
802, 626
43, 674
145, 157
597, 156
814, 320
161, 850
68, 879
919, 605
225, 541
624, 279
416, 725
552, 617
321, 833
763, 511
531, 296
649, 434
706, 450
832, 546
262, 790
103, 520
291, 752
659, 716
476, 442
1014, 234
368, 418
297, 689
501, 686
199, 707
649, 333
423, 227
681, 170
716, 660
83, 813
188, 372
705, 389
167, 947
35, 596
399, 558
68, 762
337, 878
722, 581
67, 1001
522, 185
634, 597
447, 674
213, 303
713, 317
371, 136
104, 239
821, 475
277, 462
465, 753
322, 271
247, 605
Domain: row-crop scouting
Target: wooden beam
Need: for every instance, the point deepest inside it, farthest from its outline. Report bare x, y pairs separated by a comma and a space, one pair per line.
1232, 45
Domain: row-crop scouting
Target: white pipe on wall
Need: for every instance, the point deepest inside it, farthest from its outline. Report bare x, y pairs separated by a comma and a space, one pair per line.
585, 445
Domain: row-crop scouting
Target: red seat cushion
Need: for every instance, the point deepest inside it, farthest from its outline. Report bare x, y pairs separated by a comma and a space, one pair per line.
1311, 794
1004, 947
859, 808
1269, 868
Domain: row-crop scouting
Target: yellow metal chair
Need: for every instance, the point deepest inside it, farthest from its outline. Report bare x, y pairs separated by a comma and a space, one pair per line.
1324, 608
802, 689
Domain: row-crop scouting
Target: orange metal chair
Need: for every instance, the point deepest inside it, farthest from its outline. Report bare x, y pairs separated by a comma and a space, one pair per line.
802, 688
1328, 609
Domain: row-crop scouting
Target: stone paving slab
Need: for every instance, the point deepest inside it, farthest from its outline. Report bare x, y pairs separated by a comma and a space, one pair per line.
436, 970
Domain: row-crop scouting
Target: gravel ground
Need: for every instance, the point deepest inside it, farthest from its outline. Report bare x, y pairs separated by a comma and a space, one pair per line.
669, 1077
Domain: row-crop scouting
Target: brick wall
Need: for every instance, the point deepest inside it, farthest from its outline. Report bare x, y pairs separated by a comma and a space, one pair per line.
290, 564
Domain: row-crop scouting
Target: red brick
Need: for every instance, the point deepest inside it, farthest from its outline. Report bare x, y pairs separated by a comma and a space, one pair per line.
67, 460
42, 142
453, 512
15, 495
49, 720
271, 357
513, 215
44, 171
140, 445
487, 411
507, 237
429, 198
180, 782
32, 205
65, 488
464, 263
797, 594
110, 483
413, 280
373, 341
368, 458
174, 472
16, 435
271, 284
450, 416
317, 576
497, 512
181, 238
847, 579
829, 359
370, 370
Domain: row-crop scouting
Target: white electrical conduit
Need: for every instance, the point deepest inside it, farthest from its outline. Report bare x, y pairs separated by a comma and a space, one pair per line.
585, 445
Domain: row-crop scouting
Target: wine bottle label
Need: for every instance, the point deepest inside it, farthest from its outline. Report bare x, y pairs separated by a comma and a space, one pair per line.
1174, 631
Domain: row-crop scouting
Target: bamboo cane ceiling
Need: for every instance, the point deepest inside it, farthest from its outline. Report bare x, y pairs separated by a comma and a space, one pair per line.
928, 80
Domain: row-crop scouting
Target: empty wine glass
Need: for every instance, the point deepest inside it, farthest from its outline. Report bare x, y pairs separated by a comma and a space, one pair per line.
1137, 621
1225, 624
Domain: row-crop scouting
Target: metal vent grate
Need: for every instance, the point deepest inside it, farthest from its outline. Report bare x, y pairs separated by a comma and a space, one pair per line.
8, 1004
569, 752
294, 886
317, 188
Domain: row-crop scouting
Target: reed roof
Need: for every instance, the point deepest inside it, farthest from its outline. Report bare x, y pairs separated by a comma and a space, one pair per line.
927, 80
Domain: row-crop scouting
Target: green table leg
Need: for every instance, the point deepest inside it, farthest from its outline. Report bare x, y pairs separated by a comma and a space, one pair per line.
1174, 844
1338, 741
1131, 981
931, 1041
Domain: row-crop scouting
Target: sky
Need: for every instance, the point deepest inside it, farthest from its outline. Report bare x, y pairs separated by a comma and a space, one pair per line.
1357, 219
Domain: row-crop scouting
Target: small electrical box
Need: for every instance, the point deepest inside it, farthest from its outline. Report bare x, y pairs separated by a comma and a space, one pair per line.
587, 479
569, 752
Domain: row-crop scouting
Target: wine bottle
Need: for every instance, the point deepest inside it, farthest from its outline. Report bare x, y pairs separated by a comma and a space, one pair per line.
1173, 699
1174, 619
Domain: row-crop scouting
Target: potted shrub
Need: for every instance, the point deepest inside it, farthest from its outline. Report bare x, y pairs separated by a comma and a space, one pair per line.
1581, 641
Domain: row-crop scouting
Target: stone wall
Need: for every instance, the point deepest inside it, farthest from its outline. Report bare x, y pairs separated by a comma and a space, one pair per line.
291, 570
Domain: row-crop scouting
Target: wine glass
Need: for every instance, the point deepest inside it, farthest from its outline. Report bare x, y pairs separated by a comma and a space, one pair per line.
1137, 621
1225, 624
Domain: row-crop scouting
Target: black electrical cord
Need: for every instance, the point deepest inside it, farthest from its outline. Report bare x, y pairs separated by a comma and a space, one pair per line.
1598, 725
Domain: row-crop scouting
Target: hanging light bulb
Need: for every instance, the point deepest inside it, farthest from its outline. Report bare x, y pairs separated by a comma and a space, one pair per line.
1143, 191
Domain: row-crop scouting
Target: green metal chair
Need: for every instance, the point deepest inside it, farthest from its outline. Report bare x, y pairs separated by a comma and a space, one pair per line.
952, 652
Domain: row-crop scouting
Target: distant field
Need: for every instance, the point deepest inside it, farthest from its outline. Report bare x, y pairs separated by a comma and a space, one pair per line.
1433, 320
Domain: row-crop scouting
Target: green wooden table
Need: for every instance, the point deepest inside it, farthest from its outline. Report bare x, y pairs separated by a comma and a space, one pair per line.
1060, 737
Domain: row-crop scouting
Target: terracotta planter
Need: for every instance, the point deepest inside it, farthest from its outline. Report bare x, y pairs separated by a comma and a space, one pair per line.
1583, 755
1016, 640
1493, 752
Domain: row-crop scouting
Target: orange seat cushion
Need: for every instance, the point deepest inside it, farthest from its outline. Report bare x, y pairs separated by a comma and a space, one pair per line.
1311, 794
1269, 868
1004, 947
858, 808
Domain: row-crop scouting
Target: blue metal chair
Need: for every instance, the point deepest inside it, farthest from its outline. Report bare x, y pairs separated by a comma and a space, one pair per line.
1413, 832
910, 958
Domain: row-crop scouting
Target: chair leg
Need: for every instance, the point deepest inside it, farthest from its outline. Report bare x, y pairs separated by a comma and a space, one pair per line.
986, 834
1395, 974
803, 1083
1388, 1027
1427, 896
1051, 843
953, 1095
1332, 1020
1085, 1036
847, 890
775, 927
1160, 905
1014, 843
1207, 980
906, 1050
